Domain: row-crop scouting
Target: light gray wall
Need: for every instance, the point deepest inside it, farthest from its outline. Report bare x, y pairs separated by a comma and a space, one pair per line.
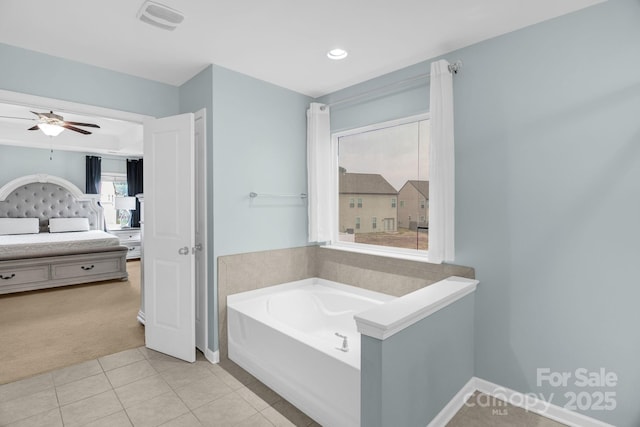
548, 199
408, 378
44, 75
259, 144
395, 100
70, 165
19, 161
196, 94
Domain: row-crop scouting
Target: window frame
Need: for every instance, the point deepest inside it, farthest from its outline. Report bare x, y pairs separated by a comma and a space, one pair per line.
112, 177
335, 243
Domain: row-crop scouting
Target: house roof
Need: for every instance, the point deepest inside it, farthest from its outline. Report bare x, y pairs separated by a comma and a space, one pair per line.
421, 186
365, 183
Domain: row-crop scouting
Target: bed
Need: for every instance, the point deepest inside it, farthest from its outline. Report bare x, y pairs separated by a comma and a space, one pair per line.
51, 234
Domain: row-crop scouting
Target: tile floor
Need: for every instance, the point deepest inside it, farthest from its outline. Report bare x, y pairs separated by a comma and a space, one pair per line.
482, 410
141, 387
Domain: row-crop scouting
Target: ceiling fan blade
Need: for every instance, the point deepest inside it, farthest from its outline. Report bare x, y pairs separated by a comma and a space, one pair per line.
12, 117
82, 131
91, 125
34, 128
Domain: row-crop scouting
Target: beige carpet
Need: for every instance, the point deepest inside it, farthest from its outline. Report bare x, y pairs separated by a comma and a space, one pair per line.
53, 328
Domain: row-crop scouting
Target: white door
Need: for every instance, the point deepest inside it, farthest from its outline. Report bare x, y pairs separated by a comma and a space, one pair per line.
201, 229
169, 267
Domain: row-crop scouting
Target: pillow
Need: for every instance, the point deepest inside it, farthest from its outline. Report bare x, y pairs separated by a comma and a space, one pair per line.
19, 225
61, 225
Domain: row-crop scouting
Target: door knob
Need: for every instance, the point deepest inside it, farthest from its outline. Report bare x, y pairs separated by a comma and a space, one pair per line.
184, 250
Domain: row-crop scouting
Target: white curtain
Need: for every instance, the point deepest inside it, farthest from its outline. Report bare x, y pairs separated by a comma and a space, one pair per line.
320, 173
441, 165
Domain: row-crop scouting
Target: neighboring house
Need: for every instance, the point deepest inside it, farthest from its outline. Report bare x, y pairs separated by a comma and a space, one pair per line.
368, 203
413, 205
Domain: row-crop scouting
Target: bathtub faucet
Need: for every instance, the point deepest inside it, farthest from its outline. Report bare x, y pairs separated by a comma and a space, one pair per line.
345, 342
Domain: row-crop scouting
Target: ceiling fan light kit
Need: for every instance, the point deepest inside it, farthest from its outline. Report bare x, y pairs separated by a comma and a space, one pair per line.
160, 16
52, 124
50, 130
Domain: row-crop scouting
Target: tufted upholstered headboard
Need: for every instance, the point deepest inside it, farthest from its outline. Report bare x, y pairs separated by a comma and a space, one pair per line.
47, 196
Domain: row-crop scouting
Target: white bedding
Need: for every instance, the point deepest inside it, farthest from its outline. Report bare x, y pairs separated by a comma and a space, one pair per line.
27, 245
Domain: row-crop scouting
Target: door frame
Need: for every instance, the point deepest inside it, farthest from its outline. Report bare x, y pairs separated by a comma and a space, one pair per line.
201, 174
19, 98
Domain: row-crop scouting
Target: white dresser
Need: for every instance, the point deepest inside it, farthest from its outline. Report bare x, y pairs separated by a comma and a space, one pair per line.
141, 311
131, 238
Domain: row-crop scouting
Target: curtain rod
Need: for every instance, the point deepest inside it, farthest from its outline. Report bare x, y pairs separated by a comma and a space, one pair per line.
453, 69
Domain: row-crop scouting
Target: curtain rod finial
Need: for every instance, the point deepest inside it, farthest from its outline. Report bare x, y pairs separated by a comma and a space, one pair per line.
455, 67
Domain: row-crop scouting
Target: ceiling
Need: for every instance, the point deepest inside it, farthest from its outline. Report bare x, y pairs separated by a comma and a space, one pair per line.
280, 41
283, 42
115, 137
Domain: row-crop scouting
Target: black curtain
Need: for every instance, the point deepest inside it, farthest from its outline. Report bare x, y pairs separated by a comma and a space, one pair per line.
135, 186
92, 176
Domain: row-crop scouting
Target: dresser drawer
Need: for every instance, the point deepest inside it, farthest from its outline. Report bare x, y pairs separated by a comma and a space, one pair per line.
88, 268
134, 249
17, 276
127, 235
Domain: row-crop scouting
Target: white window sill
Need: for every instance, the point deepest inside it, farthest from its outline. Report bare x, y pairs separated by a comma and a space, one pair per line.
398, 253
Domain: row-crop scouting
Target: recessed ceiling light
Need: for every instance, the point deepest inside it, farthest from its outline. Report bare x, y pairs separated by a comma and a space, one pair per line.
337, 54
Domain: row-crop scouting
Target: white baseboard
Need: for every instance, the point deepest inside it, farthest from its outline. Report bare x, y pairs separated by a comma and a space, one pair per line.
525, 401
530, 403
212, 356
454, 405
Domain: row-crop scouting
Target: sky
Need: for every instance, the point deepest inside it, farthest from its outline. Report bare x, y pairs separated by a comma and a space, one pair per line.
392, 152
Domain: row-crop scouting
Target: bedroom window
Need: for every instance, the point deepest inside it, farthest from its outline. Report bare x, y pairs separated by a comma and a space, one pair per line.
380, 165
112, 185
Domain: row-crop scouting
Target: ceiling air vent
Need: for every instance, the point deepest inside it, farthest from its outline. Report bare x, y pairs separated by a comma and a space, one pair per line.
160, 16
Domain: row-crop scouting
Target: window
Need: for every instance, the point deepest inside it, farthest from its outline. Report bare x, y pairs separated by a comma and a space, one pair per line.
379, 165
351, 203
112, 185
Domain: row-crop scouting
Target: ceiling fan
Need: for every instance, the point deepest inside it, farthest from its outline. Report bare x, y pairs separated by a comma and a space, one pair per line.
52, 124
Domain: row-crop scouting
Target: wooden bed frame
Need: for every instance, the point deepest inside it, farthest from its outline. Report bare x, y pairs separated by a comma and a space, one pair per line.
46, 196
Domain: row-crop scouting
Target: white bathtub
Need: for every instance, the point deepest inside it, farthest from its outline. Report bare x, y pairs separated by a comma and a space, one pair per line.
285, 336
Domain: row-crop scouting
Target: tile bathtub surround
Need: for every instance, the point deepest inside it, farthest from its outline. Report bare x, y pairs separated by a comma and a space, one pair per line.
141, 387
254, 270
391, 276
